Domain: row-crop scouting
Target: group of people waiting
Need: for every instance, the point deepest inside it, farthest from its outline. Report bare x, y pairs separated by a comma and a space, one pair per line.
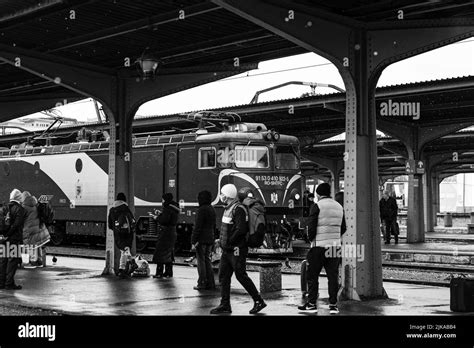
25, 231
232, 241
167, 220
326, 226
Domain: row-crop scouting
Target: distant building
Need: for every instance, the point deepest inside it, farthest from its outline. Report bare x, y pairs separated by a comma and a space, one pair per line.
32, 124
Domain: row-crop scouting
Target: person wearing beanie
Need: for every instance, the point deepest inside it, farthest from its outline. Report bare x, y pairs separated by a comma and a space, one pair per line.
122, 222
14, 238
164, 250
233, 241
326, 225
15, 196
202, 240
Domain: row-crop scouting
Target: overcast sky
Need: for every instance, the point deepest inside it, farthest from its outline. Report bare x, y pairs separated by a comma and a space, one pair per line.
450, 61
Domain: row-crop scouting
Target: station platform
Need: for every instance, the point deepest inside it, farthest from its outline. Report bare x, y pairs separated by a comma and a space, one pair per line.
74, 286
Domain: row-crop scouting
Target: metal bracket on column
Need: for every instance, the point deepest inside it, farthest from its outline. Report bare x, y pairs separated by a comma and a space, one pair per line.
299, 24
141, 91
390, 44
395, 129
427, 134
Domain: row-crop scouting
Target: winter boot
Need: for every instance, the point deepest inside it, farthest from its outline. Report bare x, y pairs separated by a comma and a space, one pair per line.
159, 271
168, 270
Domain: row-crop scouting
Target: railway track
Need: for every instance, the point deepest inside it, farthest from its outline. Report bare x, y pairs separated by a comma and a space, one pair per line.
401, 272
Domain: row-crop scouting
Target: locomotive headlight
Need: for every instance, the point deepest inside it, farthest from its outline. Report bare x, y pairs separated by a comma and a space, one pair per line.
268, 136
276, 136
295, 194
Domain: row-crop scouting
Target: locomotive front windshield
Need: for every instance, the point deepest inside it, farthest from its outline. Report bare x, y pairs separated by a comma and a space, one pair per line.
286, 158
251, 157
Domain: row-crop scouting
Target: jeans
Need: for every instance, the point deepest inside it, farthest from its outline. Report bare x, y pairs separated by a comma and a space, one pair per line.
204, 265
125, 256
319, 257
8, 267
229, 264
389, 229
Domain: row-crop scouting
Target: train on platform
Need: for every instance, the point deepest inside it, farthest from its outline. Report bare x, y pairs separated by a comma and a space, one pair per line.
73, 177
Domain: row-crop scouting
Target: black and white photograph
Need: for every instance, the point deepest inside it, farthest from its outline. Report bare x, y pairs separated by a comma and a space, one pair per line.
236, 172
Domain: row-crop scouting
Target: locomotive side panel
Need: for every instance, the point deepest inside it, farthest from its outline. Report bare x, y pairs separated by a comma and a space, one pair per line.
170, 170
196, 174
148, 174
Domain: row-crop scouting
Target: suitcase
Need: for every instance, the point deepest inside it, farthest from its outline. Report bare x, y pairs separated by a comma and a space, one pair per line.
462, 294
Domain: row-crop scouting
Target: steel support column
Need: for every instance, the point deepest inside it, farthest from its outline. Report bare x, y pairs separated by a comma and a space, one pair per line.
361, 278
348, 49
428, 196
432, 214
431, 188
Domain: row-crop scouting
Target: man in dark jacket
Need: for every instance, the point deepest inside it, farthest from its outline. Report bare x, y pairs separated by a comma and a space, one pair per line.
164, 250
202, 240
388, 215
14, 238
122, 222
233, 241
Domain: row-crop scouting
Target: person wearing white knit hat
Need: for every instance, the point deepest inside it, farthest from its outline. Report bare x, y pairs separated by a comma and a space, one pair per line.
233, 241
15, 196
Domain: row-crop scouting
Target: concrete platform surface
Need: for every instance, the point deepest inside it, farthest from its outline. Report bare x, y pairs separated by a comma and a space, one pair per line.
447, 247
74, 286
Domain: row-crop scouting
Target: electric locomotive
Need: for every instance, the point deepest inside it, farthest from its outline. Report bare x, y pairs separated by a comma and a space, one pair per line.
74, 177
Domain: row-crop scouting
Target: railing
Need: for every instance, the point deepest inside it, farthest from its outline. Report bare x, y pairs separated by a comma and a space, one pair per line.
96, 146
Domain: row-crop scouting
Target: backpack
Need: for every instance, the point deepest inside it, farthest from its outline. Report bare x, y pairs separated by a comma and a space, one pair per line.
45, 213
124, 223
257, 223
4, 219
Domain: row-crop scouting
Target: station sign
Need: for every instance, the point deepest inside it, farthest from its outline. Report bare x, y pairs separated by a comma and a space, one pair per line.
420, 167
414, 167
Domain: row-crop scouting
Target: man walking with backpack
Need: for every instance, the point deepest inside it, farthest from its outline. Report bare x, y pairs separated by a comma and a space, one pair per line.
233, 241
256, 216
326, 225
122, 222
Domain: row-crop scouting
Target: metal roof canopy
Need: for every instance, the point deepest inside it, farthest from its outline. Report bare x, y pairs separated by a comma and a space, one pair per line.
87, 42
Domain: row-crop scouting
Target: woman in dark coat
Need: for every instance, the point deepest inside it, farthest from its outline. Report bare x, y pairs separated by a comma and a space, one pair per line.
164, 250
123, 234
202, 240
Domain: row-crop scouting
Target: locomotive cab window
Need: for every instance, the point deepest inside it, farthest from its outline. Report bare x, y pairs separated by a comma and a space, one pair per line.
251, 157
286, 158
207, 158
